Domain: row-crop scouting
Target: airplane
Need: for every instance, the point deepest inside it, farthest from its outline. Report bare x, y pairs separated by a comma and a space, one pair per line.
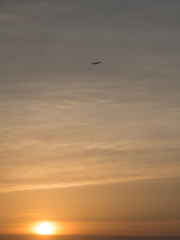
95, 63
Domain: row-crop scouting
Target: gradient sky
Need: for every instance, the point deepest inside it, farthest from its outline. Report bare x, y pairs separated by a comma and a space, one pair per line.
93, 149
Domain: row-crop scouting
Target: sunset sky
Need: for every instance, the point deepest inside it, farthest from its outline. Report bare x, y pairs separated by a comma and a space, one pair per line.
91, 149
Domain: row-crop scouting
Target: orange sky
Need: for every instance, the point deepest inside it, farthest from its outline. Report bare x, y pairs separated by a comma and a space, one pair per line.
93, 149
129, 208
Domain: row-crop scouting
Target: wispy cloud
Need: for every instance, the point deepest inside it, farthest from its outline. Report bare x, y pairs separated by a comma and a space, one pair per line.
66, 123
10, 17
17, 11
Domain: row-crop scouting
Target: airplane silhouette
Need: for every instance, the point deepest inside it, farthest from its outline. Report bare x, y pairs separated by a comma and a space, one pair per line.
95, 63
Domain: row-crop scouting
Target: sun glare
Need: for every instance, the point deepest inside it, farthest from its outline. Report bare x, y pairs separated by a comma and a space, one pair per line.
44, 228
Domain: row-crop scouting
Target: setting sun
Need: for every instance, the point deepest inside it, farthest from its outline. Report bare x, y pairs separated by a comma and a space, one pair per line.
45, 228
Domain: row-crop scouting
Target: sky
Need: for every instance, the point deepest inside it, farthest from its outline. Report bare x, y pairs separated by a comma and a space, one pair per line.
93, 149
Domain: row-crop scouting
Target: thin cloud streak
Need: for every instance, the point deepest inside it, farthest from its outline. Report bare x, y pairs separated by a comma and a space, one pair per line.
69, 122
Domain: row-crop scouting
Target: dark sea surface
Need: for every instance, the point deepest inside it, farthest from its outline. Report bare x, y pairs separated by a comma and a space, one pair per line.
85, 237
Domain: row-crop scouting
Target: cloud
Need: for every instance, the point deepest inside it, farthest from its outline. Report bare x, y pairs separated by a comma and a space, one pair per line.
10, 17
18, 10
83, 133
65, 122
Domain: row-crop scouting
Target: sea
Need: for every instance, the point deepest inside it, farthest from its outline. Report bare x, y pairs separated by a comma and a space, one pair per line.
84, 237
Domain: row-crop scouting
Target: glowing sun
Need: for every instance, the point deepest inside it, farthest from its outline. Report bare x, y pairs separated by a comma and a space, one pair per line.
45, 228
